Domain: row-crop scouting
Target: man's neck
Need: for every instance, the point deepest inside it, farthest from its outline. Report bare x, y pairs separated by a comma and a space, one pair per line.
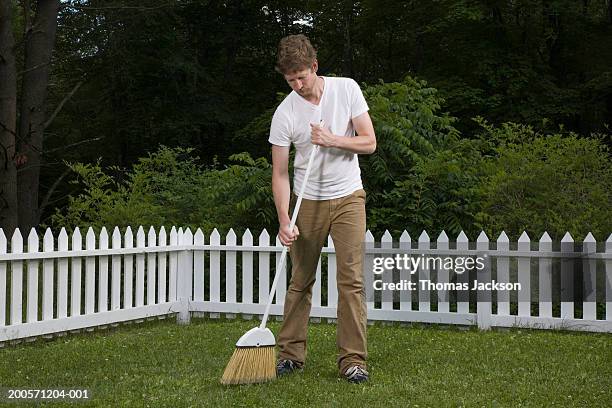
315, 98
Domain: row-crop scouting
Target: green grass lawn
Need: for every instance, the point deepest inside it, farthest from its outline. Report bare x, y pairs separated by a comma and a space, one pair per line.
159, 363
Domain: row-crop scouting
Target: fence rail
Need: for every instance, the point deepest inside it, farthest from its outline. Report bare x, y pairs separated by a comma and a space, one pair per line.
58, 284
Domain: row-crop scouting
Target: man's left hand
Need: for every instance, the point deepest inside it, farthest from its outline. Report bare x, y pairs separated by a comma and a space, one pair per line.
322, 136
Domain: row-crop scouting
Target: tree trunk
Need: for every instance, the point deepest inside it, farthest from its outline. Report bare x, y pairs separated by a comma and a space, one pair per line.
8, 109
39, 46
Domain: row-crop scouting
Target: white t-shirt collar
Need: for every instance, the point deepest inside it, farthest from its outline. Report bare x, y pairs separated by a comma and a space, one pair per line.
307, 102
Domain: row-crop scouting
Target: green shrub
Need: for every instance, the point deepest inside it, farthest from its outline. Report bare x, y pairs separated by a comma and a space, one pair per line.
535, 183
169, 188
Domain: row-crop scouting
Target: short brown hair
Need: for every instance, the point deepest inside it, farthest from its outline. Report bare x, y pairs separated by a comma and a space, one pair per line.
295, 53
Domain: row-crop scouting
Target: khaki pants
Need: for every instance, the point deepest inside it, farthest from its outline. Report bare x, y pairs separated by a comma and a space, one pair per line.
343, 218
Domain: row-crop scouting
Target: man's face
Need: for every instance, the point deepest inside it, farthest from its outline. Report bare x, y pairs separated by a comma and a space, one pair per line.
303, 82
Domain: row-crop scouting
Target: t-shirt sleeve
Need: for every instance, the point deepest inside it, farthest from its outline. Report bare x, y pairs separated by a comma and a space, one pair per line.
280, 133
358, 102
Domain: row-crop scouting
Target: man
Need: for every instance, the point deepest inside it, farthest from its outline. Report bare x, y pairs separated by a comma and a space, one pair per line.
323, 111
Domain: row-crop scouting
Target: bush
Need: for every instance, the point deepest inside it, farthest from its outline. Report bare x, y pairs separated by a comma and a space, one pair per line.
169, 188
536, 183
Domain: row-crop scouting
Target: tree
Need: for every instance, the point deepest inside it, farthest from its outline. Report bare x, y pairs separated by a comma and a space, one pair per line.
39, 41
8, 109
22, 146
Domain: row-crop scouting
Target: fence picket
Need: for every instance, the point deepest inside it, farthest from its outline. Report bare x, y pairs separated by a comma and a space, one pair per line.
128, 268
230, 271
567, 277
524, 276
48, 272
264, 268
3, 294
75, 281
184, 276
405, 242
186, 238
484, 298
215, 269
503, 275
16, 279
589, 279
424, 274
173, 265
198, 268
151, 276
545, 278
463, 296
387, 276
32, 293
140, 268
442, 243
90, 272
162, 265
247, 269
116, 272
103, 273
62, 276
151, 267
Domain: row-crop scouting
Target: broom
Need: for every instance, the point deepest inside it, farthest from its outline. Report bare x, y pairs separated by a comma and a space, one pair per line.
254, 359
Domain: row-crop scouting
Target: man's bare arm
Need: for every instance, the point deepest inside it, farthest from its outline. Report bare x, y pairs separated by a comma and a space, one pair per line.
364, 142
281, 189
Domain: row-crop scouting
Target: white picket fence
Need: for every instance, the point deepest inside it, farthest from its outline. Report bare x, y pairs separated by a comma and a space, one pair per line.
65, 287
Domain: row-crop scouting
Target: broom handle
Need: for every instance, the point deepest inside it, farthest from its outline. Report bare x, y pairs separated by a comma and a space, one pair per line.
281, 263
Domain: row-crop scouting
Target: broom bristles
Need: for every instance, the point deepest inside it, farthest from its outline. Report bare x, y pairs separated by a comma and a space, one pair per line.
250, 365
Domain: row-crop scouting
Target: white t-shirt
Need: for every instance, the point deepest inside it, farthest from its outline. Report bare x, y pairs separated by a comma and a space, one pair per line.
335, 173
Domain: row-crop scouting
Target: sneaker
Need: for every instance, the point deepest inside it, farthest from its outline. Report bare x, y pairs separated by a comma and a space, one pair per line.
356, 374
284, 367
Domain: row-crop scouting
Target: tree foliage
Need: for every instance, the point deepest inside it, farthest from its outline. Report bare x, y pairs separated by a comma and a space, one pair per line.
417, 178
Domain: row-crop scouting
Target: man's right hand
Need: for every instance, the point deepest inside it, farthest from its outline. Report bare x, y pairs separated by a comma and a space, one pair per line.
286, 236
